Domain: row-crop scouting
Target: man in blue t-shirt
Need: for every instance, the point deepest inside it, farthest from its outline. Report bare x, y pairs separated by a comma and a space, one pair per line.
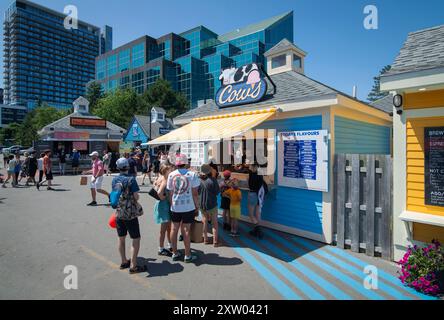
128, 226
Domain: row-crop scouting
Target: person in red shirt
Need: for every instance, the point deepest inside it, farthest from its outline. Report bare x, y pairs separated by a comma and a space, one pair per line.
47, 170
97, 173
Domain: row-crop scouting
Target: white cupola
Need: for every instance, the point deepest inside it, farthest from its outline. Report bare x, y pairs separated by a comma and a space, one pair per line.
81, 105
285, 56
157, 114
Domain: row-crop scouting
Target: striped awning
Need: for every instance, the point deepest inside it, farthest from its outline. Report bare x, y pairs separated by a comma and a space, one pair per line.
214, 128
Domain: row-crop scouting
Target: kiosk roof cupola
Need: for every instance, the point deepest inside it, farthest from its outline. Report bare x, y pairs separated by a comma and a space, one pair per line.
285, 56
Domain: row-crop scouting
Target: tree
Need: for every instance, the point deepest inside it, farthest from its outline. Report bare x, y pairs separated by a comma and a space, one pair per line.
26, 132
375, 93
161, 94
93, 94
119, 107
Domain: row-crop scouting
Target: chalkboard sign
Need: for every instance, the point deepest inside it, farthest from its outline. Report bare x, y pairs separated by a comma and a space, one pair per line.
434, 166
98, 146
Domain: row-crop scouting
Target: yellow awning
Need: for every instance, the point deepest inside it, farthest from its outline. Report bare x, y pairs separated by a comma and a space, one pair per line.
214, 128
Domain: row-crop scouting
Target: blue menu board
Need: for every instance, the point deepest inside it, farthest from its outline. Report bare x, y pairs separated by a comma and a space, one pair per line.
303, 159
300, 159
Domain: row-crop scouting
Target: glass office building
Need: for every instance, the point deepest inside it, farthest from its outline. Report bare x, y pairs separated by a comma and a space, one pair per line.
191, 61
43, 60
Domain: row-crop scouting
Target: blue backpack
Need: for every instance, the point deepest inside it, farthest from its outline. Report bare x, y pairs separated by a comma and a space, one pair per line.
115, 195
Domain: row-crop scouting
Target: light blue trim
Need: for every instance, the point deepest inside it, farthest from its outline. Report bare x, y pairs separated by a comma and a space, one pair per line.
284, 290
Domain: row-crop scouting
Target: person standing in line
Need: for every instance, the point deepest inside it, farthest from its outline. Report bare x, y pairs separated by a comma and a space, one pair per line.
145, 166
17, 169
132, 161
255, 183
11, 168
225, 200
183, 186
62, 161
235, 196
129, 188
40, 169
162, 213
106, 161
208, 192
47, 170
75, 161
24, 170
97, 172
32, 168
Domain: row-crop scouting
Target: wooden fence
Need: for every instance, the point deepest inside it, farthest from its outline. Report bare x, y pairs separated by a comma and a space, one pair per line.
363, 203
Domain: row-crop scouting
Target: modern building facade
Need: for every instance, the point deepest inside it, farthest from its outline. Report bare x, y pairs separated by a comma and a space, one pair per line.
192, 60
43, 60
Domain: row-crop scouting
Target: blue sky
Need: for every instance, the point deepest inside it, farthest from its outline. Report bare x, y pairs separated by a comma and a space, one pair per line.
341, 52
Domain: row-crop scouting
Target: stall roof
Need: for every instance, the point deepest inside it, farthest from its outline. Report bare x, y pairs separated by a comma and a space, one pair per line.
384, 104
423, 50
144, 122
64, 124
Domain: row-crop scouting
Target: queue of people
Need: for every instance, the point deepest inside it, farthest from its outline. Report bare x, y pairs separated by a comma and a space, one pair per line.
182, 194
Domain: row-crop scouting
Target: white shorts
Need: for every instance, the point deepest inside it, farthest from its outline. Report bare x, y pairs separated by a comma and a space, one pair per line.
97, 184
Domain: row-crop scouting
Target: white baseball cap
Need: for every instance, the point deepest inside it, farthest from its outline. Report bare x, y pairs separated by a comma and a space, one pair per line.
95, 153
122, 164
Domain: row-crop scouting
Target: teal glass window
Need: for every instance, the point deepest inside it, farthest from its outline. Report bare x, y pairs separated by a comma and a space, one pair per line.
111, 65
124, 60
297, 62
138, 55
100, 69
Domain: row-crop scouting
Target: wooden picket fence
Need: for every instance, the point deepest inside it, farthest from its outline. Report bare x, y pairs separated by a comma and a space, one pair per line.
363, 203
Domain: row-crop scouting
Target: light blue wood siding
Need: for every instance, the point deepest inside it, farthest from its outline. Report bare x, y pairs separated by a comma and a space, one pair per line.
130, 137
295, 208
359, 137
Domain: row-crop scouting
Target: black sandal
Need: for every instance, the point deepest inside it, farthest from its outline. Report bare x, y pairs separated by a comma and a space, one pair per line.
165, 252
137, 269
125, 265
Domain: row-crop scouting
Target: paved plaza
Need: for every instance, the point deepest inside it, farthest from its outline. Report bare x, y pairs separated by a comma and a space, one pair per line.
41, 232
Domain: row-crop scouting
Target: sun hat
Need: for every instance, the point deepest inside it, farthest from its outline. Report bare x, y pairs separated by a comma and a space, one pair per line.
205, 169
74, 150
94, 153
122, 163
227, 174
181, 159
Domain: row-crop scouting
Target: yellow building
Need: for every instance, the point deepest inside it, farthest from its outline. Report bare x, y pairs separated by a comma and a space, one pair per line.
417, 81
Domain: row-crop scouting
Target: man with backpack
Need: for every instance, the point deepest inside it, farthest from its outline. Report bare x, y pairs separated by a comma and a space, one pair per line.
124, 198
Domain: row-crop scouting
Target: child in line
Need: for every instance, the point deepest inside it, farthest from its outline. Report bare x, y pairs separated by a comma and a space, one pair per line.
235, 196
225, 200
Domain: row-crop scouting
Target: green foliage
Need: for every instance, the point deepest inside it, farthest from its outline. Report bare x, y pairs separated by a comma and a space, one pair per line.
93, 94
25, 133
375, 93
119, 107
161, 94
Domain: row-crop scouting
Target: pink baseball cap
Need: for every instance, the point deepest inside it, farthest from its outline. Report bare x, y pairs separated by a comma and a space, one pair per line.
181, 159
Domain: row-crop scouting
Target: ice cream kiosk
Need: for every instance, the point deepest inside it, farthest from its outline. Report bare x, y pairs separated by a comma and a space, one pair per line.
416, 80
290, 126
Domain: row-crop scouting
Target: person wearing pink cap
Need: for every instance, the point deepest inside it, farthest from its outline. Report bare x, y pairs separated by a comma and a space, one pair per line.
183, 186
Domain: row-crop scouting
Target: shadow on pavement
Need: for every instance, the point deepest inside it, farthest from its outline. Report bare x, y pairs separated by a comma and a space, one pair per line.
161, 268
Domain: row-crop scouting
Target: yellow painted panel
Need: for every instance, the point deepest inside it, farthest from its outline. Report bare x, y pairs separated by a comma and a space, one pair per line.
414, 147
415, 140
425, 99
415, 186
415, 162
415, 155
415, 170
416, 193
426, 233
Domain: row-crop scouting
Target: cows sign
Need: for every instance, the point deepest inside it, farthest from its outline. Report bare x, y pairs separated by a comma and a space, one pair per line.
241, 86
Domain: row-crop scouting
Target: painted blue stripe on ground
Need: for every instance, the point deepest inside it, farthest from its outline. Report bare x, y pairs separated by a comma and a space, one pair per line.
321, 282
384, 275
352, 283
300, 284
358, 273
283, 289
